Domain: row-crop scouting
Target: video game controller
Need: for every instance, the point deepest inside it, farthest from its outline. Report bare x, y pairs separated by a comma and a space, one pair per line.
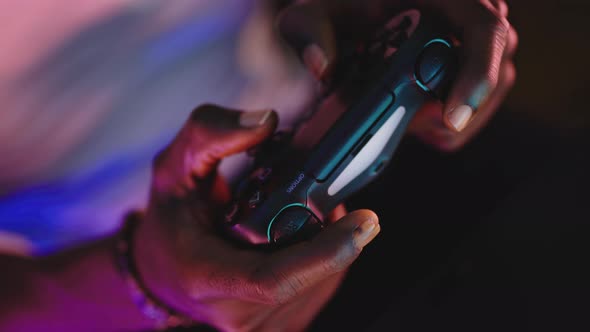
301, 176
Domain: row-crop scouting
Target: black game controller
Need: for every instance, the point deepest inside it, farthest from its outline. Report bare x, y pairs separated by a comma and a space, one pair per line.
301, 176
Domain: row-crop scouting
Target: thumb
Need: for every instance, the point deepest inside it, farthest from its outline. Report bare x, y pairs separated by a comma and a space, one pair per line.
210, 134
298, 267
308, 30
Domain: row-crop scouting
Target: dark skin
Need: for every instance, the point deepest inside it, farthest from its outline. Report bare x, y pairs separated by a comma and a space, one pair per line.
180, 255
203, 273
489, 42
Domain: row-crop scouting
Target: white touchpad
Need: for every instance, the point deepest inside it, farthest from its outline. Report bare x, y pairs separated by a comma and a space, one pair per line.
369, 153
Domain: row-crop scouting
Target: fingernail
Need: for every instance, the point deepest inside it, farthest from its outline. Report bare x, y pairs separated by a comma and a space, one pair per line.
366, 233
315, 59
460, 116
254, 118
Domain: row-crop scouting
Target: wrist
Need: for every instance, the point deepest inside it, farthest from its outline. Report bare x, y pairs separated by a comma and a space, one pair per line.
70, 291
148, 276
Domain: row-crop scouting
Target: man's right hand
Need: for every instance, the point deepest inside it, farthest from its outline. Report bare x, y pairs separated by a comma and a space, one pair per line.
186, 264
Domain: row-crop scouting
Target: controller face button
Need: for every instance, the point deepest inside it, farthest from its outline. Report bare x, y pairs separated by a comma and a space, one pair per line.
255, 199
434, 64
288, 222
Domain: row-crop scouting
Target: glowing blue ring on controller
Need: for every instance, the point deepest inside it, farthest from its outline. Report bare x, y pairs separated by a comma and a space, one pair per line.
276, 215
434, 41
438, 40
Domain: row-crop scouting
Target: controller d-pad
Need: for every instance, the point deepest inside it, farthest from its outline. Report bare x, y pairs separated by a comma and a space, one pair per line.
255, 199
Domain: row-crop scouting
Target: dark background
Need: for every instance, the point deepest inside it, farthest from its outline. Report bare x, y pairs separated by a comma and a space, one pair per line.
553, 76
495, 237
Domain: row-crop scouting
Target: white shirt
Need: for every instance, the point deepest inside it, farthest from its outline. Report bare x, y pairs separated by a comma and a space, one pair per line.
83, 120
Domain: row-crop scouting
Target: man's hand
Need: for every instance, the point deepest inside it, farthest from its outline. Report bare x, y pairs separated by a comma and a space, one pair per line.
315, 28
188, 265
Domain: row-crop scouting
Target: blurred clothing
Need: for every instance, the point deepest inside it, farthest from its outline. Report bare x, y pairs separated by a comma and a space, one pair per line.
81, 124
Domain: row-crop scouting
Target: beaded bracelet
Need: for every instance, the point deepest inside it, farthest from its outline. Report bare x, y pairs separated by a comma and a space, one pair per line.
163, 316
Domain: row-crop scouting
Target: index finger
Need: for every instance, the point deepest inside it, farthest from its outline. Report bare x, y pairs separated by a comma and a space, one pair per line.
210, 134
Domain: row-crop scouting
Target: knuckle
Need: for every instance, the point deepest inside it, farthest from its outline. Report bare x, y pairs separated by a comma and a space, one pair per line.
513, 34
503, 26
498, 27
502, 3
209, 118
489, 20
498, 3
501, 6
509, 75
200, 113
511, 43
